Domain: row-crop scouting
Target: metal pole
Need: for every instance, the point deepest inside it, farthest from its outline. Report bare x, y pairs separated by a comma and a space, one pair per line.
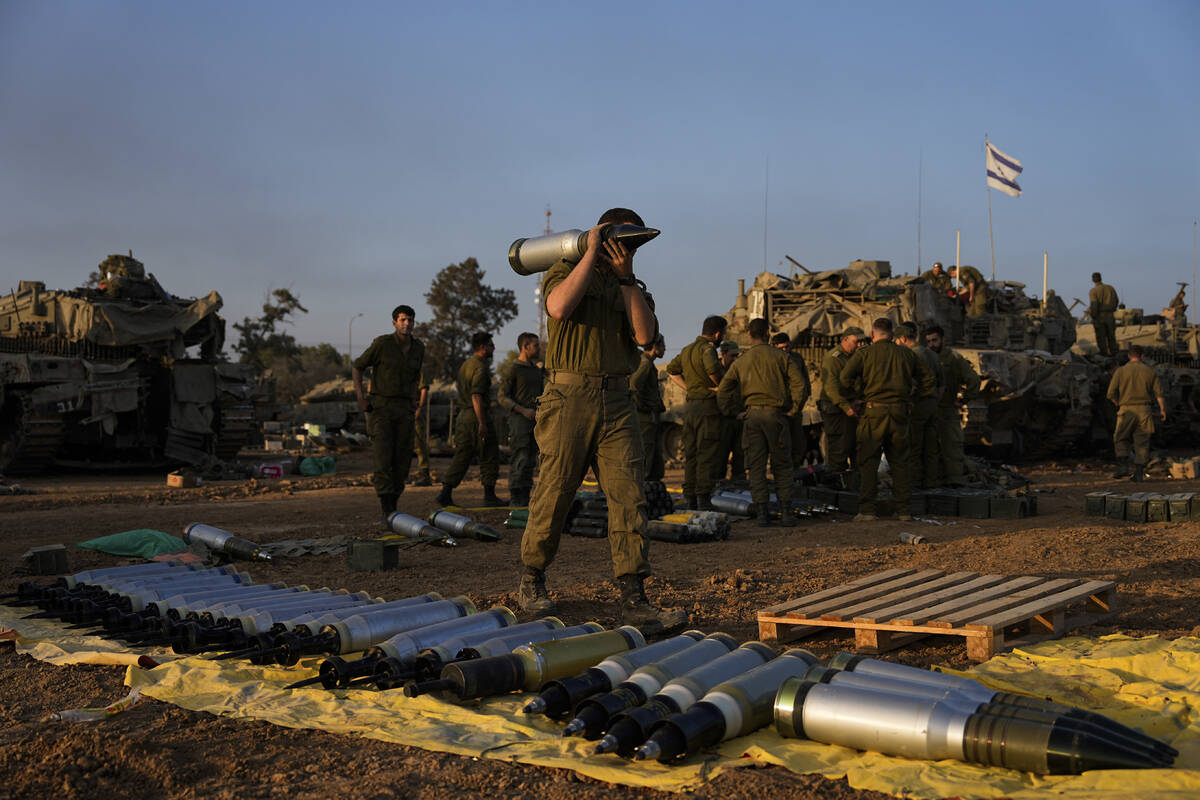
920, 180
958, 261
1045, 277
350, 337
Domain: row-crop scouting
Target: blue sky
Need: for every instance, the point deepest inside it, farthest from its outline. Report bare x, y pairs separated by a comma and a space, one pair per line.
349, 151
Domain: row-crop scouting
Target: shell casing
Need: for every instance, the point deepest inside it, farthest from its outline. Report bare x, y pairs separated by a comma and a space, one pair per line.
184, 601
223, 541
412, 527
316, 620
360, 632
546, 661
138, 600
408, 645
463, 527
92, 575
538, 253
686, 690
526, 631
500, 645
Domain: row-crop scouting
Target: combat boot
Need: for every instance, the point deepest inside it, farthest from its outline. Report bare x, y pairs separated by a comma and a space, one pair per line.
518, 497
1139, 473
423, 479
764, 516
444, 497
637, 611
1122, 468
387, 507
787, 519
532, 595
704, 503
490, 499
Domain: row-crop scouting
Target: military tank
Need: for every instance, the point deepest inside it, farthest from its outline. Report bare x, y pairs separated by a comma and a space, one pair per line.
1037, 395
120, 374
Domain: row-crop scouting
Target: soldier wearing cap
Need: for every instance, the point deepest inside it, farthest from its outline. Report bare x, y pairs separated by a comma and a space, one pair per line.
892, 378
770, 386
960, 381
922, 436
1135, 390
937, 277
647, 397
730, 453
697, 370
519, 390
780, 341
839, 418
1103, 301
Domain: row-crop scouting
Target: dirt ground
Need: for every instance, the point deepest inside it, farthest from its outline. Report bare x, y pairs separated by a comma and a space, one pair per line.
157, 750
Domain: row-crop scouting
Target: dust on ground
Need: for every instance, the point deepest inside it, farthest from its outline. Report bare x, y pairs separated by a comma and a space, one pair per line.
156, 750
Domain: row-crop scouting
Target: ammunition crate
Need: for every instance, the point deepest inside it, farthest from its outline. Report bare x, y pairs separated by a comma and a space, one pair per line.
1030, 501
1094, 503
1196, 508
1008, 507
1157, 508
1114, 507
370, 555
847, 502
50, 559
1136, 506
942, 504
820, 494
974, 506
1179, 507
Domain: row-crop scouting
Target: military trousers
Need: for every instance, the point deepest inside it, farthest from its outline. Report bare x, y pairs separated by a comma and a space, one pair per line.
420, 443
701, 442
731, 454
923, 444
799, 438
1135, 426
653, 466
1105, 328
767, 434
390, 424
468, 446
839, 432
524, 451
883, 429
950, 446
580, 427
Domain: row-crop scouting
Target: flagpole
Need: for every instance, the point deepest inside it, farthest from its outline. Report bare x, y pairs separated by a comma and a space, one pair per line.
991, 239
920, 177
958, 261
1045, 278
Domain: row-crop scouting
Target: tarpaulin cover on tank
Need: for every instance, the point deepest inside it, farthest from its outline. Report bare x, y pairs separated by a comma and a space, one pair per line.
118, 324
1150, 683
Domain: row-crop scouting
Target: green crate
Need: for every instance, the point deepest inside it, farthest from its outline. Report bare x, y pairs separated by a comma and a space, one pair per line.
1179, 507
370, 555
847, 502
974, 506
1008, 507
1136, 506
1157, 508
1094, 503
1114, 506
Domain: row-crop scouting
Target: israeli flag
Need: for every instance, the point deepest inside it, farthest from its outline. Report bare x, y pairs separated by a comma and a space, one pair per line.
1002, 171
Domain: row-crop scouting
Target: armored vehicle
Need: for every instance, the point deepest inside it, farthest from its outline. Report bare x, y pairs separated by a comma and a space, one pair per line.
123, 374
1037, 395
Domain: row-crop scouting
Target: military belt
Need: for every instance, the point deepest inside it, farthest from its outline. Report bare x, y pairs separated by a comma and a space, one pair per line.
582, 379
884, 405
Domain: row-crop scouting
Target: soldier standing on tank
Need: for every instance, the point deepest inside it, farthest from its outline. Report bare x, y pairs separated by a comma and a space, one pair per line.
730, 453
1103, 301
647, 397
420, 441
959, 377
597, 318
474, 433
1134, 390
770, 387
923, 444
519, 391
937, 278
697, 370
780, 341
972, 289
892, 378
839, 418
395, 360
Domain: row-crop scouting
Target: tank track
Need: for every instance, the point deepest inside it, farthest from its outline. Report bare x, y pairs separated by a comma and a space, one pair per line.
29, 441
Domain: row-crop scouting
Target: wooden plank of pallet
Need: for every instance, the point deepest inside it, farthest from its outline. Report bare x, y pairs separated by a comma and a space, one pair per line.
891, 599
836, 591
815, 610
1017, 598
1042, 618
917, 611
1021, 613
939, 615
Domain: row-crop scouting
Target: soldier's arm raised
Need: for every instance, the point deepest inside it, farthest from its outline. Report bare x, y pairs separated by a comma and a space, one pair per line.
565, 297
727, 390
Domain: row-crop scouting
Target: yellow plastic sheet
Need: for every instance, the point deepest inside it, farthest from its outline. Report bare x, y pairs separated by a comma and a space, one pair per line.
1152, 684
50, 640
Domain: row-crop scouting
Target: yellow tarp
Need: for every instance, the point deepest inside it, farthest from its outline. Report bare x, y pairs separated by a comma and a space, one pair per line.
1152, 684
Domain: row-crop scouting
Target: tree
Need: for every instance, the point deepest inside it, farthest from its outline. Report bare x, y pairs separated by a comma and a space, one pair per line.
296, 374
260, 341
462, 304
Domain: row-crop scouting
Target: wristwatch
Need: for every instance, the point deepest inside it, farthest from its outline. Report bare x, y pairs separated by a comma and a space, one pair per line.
627, 281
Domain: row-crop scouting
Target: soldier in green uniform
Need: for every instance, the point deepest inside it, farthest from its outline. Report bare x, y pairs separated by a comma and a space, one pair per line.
922, 436
519, 391
474, 434
972, 289
937, 277
1134, 390
799, 436
839, 419
770, 387
1103, 301
597, 318
697, 370
958, 378
892, 378
731, 456
647, 398
420, 440
395, 360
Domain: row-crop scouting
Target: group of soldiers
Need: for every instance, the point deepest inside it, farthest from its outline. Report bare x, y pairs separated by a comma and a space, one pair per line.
966, 284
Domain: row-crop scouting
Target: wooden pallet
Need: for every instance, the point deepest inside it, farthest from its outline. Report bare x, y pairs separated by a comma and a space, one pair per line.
992, 612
